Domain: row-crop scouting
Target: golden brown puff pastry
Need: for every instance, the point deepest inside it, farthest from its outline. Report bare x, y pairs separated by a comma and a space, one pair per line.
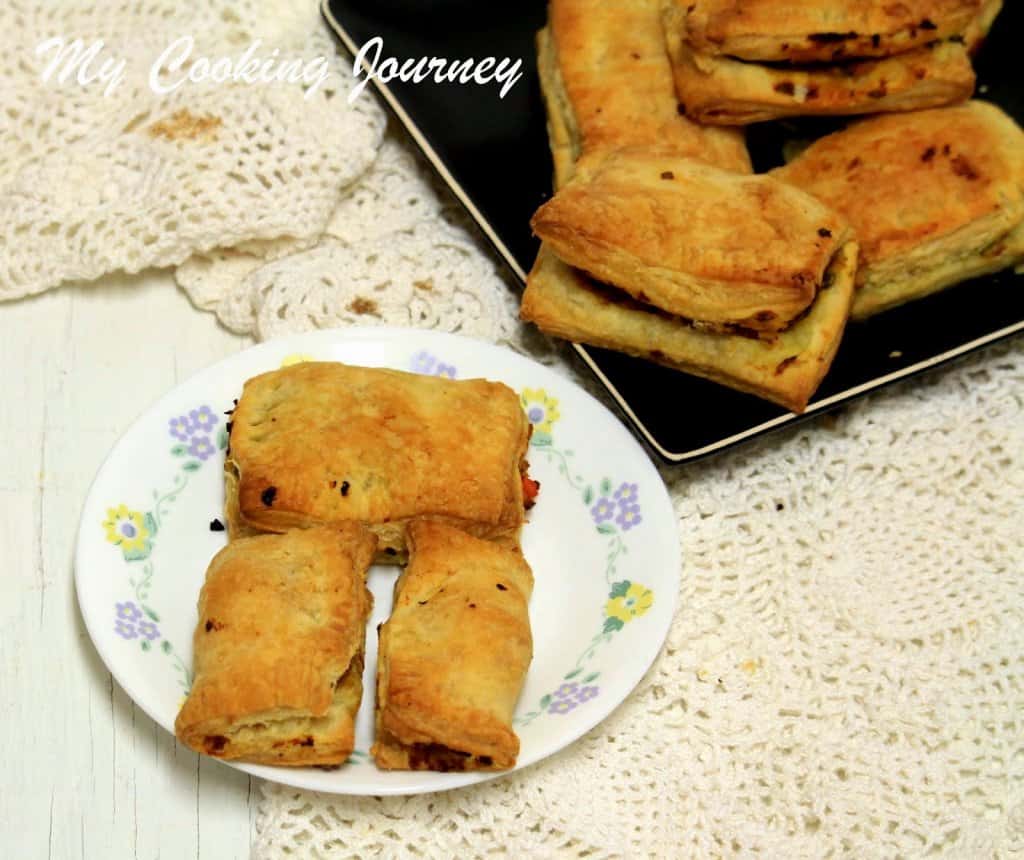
802, 32
723, 91
693, 240
934, 197
322, 442
279, 648
979, 28
607, 83
453, 656
564, 302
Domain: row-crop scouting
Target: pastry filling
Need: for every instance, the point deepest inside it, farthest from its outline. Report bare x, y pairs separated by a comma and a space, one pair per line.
530, 490
444, 759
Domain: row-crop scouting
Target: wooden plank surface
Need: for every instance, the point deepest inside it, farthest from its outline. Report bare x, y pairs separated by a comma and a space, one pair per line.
86, 773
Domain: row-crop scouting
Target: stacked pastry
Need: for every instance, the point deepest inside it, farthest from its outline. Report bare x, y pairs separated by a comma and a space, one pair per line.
659, 243
741, 62
740, 279
744, 280
331, 467
607, 84
935, 197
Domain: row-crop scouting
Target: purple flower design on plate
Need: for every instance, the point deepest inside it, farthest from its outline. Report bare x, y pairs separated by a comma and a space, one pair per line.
566, 691
180, 428
429, 365
128, 611
125, 630
626, 494
629, 516
587, 693
603, 510
201, 447
203, 419
422, 362
561, 706
149, 630
535, 415
445, 370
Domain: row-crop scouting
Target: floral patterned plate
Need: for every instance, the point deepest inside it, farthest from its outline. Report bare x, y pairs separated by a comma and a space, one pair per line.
602, 541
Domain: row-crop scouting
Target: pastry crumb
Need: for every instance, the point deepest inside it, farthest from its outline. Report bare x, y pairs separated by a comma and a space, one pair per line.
184, 125
363, 307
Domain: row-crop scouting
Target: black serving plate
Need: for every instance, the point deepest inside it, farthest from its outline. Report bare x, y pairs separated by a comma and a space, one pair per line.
494, 154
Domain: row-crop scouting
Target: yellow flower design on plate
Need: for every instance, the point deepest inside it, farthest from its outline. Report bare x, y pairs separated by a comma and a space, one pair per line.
541, 410
628, 601
126, 528
295, 358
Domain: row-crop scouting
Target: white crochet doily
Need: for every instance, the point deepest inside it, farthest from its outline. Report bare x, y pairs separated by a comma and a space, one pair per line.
95, 182
845, 676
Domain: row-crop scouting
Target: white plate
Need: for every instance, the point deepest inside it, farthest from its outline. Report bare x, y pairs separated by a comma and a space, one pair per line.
602, 541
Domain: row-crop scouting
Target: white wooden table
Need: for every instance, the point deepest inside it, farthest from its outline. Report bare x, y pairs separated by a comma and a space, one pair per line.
85, 773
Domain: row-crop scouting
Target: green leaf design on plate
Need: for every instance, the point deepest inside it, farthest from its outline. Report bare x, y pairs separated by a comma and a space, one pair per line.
540, 440
191, 466
573, 673
606, 487
619, 589
145, 645
606, 529
612, 625
591, 677
138, 554
150, 522
588, 495
150, 613
165, 646
545, 700
222, 438
179, 450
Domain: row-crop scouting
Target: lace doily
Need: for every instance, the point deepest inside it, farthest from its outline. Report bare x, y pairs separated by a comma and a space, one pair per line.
96, 182
395, 251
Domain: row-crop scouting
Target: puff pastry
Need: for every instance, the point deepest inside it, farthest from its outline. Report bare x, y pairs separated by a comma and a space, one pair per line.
979, 28
696, 241
720, 90
322, 442
453, 656
607, 83
801, 32
279, 648
564, 302
935, 198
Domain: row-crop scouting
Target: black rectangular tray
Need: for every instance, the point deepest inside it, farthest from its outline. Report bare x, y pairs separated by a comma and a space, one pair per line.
494, 155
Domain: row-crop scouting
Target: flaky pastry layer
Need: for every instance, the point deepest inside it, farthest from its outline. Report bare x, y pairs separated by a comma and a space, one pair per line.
563, 302
607, 83
453, 656
324, 442
935, 197
801, 32
720, 90
693, 240
278, 648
